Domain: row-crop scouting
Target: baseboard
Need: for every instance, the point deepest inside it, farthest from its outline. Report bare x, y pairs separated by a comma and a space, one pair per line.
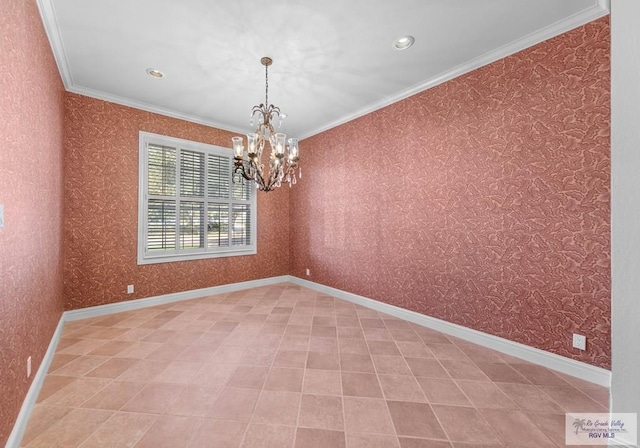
571, 367
38, 380
32, 394
119, 307
556, 362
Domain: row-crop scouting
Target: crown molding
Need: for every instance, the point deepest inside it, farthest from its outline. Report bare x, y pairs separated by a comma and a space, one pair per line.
600, 9
50, 22
152, 108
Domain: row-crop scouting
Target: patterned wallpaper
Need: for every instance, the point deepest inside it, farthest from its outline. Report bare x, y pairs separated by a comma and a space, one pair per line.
101, 211
31, 189
483, 201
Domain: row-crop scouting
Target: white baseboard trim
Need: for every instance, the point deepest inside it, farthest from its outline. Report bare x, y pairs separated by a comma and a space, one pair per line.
562, 364
556, 362
38, 380
32, 394
119, 307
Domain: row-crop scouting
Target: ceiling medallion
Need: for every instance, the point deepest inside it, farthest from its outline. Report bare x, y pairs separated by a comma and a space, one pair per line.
282, 159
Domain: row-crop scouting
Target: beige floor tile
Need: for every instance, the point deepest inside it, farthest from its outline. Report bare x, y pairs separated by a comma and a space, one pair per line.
72, 429
235, 404
415, 420
427, 367
319, 438
284, 379
515, 429
114, 396
195, 401
360, 385
259, 435
122, 430
77, 392
218, 434
354, 362
393, 365
42, 418
443, 391
80, 366
179, 372
323, 361
464, 424
248, 377
321, 411
52, 384
277, 408
154, 398
367, 415
486, 395
401, 388
322, 382
371, 441
112, 368
284, 366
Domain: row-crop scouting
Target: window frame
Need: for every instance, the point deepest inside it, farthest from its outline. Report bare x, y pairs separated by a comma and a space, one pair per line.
145, 257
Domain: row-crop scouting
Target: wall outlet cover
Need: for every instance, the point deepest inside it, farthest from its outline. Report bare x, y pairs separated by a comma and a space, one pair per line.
579, 341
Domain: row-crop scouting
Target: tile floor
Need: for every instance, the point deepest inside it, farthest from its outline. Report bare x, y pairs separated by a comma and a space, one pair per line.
284, 366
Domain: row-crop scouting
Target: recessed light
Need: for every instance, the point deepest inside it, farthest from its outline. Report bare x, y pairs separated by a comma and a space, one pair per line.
403, 43
155, 73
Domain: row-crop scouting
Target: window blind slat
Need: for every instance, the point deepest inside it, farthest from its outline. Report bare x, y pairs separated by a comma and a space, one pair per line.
162, 170
218, 176
241, 225
191, 173
161, 227
191, 225
218, 225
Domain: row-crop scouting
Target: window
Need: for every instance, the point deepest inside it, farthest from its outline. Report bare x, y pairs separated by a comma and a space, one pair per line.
188, 208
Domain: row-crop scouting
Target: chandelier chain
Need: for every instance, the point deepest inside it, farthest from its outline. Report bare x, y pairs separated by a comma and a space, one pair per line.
266, 85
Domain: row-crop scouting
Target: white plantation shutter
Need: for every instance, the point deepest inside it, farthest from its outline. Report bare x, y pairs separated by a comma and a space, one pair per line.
161, 207
188, 206
219, 177
241, 221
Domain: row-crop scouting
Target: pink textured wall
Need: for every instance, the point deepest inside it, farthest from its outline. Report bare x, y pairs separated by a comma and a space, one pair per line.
483, 201
31, 189
101, 221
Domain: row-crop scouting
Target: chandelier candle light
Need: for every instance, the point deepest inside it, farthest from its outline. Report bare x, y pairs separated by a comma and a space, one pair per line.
283, 159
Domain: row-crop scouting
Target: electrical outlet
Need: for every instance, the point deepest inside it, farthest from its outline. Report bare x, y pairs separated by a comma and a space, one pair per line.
129, 289
308, 272
579, 341
29, 367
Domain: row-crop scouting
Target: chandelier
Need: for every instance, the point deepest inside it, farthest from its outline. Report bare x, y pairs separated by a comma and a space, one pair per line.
283, 158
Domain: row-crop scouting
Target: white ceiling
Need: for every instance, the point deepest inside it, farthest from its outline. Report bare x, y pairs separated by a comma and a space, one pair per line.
333, 59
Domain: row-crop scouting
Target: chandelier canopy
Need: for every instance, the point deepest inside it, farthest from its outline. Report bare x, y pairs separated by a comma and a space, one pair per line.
282, 163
